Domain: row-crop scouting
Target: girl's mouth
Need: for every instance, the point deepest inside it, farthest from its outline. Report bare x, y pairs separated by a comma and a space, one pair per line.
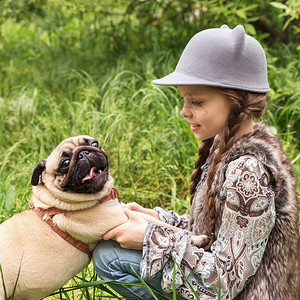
194, 127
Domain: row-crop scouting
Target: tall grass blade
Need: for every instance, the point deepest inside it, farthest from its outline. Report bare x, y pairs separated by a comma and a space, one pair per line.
219, 287
174, 278
144, 284
15, 286
194, 292
3, 283
100, 284
191, 287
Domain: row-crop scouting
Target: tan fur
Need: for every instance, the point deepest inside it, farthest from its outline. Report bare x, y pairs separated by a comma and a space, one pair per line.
47, 261
42, 271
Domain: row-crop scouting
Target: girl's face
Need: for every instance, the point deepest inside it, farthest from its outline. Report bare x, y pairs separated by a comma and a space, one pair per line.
205, 109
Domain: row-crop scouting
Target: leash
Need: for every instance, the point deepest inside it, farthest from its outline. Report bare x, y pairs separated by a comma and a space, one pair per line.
47, 215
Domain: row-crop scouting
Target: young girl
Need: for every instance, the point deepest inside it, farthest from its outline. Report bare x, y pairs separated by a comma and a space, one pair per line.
243, 190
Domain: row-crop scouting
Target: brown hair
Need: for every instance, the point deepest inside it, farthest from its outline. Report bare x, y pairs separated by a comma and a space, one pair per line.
243, 104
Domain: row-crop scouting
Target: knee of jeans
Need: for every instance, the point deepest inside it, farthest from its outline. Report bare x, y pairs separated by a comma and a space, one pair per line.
103, 255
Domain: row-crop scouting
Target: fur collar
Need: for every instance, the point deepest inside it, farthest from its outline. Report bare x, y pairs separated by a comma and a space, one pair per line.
278, 275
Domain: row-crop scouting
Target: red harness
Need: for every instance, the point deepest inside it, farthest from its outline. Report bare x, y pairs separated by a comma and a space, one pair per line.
52, 211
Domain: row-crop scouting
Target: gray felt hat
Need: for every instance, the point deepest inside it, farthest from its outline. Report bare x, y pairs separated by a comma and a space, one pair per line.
221, 57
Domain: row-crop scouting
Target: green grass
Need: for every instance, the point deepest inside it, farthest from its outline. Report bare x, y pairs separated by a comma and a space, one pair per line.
65, 72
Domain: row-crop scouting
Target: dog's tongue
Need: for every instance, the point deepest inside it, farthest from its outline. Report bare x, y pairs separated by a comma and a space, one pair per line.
90, 175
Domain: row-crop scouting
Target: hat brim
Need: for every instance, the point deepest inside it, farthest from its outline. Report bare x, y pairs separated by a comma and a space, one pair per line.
178, 78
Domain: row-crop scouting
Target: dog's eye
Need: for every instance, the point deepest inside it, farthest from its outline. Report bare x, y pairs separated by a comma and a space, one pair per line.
65, 164
96, 144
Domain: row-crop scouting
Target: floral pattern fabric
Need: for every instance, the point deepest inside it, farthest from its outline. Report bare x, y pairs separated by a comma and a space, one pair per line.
172, 218
247, 220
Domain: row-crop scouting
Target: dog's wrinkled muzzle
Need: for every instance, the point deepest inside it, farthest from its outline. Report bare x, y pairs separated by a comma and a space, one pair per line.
88, 170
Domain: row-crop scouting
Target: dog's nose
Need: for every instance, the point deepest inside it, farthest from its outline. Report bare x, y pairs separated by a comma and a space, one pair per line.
83, 154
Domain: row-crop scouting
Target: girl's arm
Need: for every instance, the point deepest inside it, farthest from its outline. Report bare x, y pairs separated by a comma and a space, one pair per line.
247, 221
172, 218
168, 216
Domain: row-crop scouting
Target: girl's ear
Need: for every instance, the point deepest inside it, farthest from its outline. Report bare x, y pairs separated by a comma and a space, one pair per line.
37, 172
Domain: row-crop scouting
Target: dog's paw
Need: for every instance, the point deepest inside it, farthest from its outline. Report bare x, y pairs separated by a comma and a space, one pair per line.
200, 240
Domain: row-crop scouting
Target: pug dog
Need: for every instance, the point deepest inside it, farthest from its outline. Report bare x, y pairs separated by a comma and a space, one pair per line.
76, 181
73, 205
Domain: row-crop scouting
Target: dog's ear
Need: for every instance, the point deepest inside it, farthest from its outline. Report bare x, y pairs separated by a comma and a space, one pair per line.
40, 167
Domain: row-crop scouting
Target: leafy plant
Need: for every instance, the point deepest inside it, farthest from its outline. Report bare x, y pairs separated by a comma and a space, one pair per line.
291, 9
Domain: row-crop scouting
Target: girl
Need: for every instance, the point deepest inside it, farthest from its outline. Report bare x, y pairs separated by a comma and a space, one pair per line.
243, 190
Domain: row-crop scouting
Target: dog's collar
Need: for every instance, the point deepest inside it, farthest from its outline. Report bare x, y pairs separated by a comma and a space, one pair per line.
113, 193
47, 215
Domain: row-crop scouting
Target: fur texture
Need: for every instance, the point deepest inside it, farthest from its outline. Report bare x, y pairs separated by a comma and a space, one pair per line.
278, 276
47, 261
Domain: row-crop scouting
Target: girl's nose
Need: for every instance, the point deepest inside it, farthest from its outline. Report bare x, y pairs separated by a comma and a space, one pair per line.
186, 111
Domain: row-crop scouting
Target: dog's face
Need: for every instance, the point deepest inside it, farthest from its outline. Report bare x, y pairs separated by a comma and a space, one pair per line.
77, 167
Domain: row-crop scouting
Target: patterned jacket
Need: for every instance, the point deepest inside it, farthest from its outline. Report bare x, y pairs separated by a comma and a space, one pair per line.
256, 254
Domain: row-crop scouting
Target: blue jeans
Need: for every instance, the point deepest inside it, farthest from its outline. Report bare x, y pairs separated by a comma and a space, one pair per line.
112, 262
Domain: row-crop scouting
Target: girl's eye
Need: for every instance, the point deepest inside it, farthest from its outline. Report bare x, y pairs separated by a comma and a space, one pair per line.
96, 144
65, 164
197, 103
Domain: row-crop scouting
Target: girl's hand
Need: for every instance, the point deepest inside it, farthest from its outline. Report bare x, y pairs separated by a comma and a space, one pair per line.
136, 207
129, 235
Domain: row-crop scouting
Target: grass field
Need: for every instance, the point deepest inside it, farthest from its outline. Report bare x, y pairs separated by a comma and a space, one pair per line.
58, 79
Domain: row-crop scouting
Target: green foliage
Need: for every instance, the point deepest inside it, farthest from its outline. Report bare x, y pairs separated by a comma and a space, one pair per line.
85, 67
3, 282
291, 9
16, 282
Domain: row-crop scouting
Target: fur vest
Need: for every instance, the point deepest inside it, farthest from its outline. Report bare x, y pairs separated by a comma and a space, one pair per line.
278, 276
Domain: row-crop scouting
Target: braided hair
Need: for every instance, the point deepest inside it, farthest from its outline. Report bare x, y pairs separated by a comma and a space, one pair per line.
243, 104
